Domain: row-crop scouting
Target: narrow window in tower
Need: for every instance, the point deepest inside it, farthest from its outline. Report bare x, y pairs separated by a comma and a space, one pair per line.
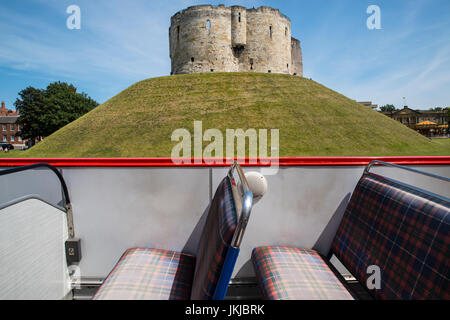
286, 31
239, 17
271, 32
178, 33
192, 59
208, 26
288, 65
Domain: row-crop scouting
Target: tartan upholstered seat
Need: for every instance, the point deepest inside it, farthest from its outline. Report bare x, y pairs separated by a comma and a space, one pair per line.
296, 274
149, 274
402, 230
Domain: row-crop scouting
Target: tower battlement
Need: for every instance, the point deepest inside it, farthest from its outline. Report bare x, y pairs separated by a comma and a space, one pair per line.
209, 38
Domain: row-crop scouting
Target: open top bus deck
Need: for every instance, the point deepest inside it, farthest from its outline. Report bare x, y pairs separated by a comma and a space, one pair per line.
65, 225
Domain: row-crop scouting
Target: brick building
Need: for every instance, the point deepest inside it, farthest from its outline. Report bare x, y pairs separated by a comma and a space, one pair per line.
9, 128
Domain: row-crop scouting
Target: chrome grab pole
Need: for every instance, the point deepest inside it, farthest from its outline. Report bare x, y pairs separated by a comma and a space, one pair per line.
72, 244
387, 164
243, 203
66, 198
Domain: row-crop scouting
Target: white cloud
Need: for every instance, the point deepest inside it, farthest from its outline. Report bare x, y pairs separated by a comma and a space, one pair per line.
120, 44
409, 58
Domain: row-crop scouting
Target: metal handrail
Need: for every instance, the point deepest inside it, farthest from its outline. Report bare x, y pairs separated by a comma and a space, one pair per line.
387, 164
243, 203
66, 197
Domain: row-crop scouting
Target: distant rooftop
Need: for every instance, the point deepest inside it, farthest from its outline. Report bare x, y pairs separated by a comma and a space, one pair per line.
6, 112
369, 104
8, 119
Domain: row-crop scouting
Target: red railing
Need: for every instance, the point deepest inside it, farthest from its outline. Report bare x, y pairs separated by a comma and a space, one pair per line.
167, 162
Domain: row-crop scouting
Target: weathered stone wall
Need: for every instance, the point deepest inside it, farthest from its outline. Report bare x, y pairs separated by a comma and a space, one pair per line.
269, 41
297, 59
194, 48
233, 39
238, 26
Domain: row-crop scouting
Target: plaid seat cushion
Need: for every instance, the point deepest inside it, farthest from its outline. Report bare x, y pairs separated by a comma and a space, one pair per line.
215, 240
402, 230
149, 274
296, 274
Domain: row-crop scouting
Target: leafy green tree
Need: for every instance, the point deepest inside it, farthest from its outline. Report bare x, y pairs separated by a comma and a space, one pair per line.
388, 108
42, 112
448, 116
31, 107
64, 105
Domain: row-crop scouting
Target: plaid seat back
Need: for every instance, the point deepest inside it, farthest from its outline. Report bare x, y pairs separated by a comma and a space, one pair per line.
214, 242
402, 230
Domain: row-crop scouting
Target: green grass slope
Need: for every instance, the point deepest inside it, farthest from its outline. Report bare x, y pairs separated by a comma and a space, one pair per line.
313, 120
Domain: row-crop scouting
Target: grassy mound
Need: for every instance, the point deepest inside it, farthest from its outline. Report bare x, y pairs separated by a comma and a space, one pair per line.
313, 120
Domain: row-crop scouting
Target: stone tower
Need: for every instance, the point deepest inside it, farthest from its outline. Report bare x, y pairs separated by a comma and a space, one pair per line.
233, 39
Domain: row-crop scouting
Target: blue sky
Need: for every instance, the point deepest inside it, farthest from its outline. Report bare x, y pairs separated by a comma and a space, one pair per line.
122, 42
